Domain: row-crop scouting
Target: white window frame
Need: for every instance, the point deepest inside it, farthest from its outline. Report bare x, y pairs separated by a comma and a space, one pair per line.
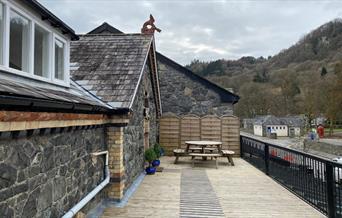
66, 59
49, 51
53, 35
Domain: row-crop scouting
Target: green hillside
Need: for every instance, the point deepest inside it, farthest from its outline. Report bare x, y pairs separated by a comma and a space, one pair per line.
303, 79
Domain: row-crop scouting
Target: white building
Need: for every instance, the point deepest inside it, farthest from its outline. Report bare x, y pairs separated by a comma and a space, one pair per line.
264, 125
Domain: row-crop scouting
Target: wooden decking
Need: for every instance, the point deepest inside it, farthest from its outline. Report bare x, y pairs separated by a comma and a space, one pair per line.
240, 191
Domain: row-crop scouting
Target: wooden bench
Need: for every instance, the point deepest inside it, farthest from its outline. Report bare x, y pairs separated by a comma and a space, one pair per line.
179, 153
229, 155
213, 155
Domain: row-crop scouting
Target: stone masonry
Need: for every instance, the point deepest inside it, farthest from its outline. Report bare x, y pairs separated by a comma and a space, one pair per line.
126, 144
183, 94
44, 175
134, 132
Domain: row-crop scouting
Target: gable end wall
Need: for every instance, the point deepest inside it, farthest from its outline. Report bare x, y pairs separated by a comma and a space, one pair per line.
181, 94
133, 147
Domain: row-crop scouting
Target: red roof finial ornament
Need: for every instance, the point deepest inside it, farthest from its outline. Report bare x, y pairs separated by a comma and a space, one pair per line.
149, 27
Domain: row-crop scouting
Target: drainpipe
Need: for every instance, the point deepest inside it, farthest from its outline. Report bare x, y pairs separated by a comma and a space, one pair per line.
72, 212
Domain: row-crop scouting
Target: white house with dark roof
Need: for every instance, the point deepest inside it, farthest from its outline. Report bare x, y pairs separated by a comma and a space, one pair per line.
282, 126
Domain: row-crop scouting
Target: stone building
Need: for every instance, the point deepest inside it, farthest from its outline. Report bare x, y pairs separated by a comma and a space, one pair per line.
53, 125
184, 92
120, 70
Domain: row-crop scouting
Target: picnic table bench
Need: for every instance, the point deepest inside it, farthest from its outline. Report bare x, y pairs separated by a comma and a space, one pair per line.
203, 149
212, 155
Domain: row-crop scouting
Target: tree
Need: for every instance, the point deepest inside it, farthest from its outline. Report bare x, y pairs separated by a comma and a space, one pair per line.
289, 88
334, 99
262, 76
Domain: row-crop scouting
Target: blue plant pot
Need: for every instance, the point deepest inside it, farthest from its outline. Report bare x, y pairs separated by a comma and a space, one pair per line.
150, 170
156, 163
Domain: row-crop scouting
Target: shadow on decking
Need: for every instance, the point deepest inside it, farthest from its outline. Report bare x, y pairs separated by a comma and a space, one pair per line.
232, 191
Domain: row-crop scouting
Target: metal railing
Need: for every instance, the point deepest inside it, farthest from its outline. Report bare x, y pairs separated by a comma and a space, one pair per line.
316, 180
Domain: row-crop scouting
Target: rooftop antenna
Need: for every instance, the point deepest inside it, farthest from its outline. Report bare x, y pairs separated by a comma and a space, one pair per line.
149, 27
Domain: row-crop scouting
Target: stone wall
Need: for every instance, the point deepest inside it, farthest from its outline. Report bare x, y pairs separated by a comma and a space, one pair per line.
322, 147
134, 133
44, 175
182, 94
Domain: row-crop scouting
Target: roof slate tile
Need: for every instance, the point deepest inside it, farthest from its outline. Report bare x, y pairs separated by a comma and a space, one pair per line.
109, 66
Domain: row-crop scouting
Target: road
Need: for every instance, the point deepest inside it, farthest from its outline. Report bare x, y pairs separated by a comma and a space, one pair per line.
297, 143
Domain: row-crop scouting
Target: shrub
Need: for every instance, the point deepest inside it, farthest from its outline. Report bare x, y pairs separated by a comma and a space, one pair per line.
158, 150
150, 155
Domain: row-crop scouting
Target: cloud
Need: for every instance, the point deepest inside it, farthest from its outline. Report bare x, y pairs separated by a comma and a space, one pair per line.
203, 29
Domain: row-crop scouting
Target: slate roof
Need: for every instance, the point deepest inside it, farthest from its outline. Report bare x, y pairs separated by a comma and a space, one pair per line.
291, 121
110, 66
105, 28
294, 121
11, 89
226, 95
269, 120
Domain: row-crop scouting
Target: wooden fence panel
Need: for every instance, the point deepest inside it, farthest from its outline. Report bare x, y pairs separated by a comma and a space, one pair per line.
169, 133
190, 129
174, 131
211, 128
231, 133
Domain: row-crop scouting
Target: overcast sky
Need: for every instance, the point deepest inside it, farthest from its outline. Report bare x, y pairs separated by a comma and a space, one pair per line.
205, 29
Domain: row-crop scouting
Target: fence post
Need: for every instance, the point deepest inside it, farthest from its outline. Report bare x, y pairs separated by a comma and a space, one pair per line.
241, 147
267, 158
330, 190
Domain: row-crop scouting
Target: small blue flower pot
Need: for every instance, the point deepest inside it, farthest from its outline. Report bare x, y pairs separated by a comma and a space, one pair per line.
162, 152
156, 163
150, 170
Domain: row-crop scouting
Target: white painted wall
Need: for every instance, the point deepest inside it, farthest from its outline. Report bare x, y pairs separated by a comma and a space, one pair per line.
297, 131
280, 130
257, 130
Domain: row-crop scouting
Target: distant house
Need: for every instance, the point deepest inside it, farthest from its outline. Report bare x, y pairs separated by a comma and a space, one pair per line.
270, 124
295, 125
282, 126
248, 123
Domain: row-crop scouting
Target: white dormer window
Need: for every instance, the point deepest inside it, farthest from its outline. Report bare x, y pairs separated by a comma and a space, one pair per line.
19, 42
42, 52
31, 47
59, 59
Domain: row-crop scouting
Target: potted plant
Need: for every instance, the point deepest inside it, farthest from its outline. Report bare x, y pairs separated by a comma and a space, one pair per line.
150, 156
158, 150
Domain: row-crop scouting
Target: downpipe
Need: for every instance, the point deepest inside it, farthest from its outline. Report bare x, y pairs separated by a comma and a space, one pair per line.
72, 212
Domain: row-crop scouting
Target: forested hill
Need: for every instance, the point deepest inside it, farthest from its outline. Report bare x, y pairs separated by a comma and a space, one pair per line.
299, 80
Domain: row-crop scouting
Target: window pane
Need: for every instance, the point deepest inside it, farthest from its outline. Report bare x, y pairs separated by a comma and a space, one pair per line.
41, 52
19, 42
1, 31
59, 60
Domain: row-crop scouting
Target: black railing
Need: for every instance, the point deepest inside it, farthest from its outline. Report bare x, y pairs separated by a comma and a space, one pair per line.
316, 180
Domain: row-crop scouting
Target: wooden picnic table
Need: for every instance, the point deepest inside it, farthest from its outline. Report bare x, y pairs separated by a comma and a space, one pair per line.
214, 149
202, 145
